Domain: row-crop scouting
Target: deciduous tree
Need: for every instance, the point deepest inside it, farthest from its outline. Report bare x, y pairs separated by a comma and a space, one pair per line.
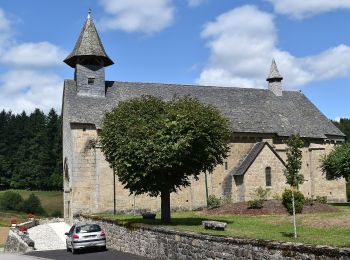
156, 146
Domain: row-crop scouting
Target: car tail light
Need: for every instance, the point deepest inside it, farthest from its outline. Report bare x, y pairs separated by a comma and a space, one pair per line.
75, 236
102, 234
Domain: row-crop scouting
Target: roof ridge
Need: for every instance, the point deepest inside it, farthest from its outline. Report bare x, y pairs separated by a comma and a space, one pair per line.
186, 85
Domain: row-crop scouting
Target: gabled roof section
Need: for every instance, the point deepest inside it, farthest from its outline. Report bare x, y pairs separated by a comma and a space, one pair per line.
89, 45
274, 72
248, 110
247, 160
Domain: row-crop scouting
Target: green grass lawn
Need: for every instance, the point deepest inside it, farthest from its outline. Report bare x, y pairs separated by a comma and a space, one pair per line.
52, 201
322, 228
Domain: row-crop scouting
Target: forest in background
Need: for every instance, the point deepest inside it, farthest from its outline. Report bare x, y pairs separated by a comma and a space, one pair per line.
344, 126
30, 151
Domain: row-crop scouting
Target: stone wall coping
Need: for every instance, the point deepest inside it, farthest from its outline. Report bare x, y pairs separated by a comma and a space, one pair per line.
320, 250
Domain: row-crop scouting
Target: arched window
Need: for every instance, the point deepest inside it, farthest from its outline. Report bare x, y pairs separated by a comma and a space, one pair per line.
268, 176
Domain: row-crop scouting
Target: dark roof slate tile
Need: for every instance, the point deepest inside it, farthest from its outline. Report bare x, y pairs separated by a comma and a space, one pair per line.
248, 110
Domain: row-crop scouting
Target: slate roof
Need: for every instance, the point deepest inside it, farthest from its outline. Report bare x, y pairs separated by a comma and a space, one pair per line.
247, 160
274, 72
88, 45
248, 110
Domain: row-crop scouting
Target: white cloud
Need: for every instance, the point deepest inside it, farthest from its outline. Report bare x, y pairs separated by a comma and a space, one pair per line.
30, 89
195, 3
5, 30
35, 87
137, 15
241, 50
305, 8
34, 54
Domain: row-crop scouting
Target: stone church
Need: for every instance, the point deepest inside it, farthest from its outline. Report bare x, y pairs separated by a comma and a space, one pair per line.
261, 119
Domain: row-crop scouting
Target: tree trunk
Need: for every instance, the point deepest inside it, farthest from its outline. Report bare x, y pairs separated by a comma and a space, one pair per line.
165, 207
294, 222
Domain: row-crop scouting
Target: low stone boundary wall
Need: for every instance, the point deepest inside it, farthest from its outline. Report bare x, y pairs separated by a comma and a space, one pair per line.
16, 243
163, 243
28, 224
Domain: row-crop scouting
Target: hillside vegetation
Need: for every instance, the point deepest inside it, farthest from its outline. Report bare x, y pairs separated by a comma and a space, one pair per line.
30, 151
51, 201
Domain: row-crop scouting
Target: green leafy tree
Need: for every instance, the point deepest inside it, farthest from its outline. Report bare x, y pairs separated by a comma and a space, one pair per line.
294, 161
32, 205
156, 146
30, 151
11, 200
336, 164
344, 125
293, 166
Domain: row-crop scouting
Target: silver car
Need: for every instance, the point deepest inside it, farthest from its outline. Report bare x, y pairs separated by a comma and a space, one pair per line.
82, 236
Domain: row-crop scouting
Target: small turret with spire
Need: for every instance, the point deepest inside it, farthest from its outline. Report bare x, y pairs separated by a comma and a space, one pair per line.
89, 59
275, 79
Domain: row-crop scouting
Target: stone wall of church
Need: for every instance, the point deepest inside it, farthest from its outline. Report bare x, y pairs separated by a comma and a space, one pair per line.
92, 179
315, 182
255, 175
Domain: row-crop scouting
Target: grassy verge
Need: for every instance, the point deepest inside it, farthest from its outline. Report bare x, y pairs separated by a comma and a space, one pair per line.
51, 201
322, 228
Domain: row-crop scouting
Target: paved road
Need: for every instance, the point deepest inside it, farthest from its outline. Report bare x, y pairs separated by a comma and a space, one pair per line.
85, 255
5, 256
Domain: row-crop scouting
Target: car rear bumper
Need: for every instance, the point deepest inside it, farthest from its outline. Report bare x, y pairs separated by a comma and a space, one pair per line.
89, 243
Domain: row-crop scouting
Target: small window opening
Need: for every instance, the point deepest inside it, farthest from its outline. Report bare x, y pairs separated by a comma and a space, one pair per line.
226, 166
91, 81
268, 176
84, 129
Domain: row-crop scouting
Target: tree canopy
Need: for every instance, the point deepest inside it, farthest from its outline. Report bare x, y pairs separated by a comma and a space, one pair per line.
30, 151
344, 126
294, 161
337, 163
156, 146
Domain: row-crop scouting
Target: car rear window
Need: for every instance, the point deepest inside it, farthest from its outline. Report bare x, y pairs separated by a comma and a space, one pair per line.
88, 229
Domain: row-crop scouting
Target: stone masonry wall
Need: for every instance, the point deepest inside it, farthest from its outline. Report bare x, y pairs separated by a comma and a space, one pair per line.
17, 244
90, 188
161, 243
91, 180
255, 175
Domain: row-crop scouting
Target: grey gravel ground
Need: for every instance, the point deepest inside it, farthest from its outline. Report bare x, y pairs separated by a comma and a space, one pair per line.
49, 236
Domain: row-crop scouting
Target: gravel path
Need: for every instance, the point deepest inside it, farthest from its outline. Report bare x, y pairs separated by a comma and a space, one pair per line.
49, 236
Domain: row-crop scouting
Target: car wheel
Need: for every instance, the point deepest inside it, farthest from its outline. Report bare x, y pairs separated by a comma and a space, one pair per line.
68, 249
103, 248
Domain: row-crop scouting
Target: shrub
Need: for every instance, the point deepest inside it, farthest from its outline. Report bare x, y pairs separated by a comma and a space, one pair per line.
11, 200
32, 205
259, 196
56, 214
299, 201
255, 204
262, 193
214, 201
321, 199
277, 196
309, 201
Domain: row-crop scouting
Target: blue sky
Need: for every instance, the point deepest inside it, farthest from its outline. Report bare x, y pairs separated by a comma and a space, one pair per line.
208, 42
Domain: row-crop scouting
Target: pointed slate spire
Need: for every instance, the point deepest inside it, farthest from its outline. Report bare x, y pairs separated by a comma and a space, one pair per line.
275, 79
89, 47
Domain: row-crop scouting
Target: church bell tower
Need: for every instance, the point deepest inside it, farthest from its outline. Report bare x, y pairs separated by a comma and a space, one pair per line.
89, 59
